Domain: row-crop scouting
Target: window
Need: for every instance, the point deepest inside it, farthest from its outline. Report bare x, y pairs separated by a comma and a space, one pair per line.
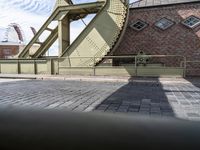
164, 23
191, 22
7, 52
138, 25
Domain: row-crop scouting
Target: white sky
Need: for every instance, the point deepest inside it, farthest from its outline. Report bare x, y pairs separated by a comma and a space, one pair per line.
33, 13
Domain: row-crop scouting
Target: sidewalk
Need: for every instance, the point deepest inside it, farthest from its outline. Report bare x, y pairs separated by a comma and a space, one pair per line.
93, 78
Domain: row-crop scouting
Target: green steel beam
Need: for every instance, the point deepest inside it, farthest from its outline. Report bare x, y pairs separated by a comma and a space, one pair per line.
64, 10
47, 44
101, 35
63, 34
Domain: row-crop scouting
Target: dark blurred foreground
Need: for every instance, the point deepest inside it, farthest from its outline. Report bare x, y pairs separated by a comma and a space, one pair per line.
60, 130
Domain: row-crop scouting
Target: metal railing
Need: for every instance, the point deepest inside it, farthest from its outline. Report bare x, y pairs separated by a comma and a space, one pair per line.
134, 65
108, 65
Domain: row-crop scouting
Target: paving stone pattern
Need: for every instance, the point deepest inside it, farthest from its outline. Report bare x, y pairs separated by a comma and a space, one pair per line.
180, 100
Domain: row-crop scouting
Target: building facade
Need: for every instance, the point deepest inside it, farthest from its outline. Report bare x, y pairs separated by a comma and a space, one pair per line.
8, 49
171, 28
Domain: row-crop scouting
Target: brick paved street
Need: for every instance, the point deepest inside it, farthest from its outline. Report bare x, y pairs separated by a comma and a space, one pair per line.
155, 98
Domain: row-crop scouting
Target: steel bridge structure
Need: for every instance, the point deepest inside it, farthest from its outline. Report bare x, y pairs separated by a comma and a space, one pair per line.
90, 51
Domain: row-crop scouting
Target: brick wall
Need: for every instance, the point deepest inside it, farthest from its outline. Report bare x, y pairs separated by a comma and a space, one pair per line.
8, 50
177, 40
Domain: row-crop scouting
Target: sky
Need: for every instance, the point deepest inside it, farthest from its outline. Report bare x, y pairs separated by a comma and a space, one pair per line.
33, 13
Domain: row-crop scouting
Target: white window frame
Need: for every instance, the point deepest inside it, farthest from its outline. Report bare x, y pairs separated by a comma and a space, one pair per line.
169, 20
193, 26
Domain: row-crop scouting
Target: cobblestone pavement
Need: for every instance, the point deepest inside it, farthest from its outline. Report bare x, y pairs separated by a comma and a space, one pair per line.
155, 98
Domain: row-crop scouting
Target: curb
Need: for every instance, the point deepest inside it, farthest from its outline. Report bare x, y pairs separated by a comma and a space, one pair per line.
96, 78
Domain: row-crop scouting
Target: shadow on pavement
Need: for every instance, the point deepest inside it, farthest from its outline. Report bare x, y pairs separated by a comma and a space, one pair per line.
194, 80
142, 96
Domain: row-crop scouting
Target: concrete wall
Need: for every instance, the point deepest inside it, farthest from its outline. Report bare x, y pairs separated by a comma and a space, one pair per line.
177, 40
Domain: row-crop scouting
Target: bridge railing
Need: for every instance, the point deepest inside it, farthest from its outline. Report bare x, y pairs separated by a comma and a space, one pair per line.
146, 65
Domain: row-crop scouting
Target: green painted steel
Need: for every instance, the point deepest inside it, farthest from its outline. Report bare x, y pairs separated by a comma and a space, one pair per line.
62, 10
25, 66
98, 39
101, 36
56, 66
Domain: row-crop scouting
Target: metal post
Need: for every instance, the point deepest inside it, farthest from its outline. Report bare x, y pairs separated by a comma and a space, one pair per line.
63, 34
18, 67
135, 65
94, 71
51, 66
185, 66
35, 67
58, 66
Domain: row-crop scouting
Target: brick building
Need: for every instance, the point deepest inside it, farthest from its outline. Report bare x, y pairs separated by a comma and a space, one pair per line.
170, 27
9, 49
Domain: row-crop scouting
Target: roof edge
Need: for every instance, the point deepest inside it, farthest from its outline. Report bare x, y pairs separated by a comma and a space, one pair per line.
163, 5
